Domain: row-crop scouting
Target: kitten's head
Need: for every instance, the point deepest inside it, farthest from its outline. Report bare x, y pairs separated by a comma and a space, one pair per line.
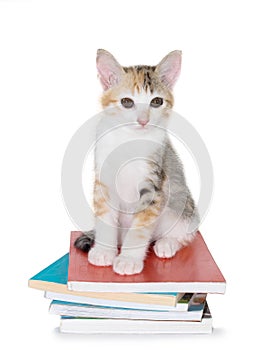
138, 94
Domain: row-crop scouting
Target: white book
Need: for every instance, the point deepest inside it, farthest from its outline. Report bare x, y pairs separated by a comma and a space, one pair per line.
124, 326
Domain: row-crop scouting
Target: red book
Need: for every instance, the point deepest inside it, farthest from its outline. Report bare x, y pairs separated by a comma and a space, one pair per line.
191, 270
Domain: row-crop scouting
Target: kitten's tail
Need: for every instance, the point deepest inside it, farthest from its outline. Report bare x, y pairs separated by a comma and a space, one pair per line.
85, 241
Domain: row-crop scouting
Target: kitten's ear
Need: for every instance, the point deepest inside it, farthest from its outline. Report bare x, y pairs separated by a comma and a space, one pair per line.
169, 68
110, 71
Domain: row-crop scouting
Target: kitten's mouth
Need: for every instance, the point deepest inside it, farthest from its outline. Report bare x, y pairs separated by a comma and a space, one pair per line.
140, 127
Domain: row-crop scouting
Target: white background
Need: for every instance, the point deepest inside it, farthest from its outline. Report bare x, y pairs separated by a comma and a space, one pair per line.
227, 90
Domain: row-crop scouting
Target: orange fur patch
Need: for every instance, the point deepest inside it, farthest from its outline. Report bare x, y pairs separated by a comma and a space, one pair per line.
100, 207
100, 197
141, 236
145, 218
108, 99
148, 216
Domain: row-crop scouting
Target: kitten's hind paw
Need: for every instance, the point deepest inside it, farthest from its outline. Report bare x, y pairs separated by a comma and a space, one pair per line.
166, 247
101, 256
126, 265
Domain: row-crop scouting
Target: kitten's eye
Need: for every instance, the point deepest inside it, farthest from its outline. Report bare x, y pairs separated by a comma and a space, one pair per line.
156, 102
127, 102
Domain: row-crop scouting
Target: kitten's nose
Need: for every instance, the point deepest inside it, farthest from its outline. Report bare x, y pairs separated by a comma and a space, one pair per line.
143, 122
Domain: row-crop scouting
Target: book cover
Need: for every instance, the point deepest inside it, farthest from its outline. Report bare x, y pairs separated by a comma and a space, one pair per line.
192, 269
53, 280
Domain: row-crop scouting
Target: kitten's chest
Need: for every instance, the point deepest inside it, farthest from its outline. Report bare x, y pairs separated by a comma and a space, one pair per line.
122, 163
130, 180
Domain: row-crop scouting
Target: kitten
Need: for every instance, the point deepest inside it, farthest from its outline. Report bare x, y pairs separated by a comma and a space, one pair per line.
149, 200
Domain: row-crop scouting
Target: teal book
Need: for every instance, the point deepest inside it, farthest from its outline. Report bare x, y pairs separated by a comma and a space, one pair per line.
56, 273
53, 280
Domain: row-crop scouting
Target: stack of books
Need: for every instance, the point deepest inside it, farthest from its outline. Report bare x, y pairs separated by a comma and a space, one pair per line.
168, 296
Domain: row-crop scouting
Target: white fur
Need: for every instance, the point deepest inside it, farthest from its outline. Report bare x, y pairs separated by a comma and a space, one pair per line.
124, 177
121, 157
124, 171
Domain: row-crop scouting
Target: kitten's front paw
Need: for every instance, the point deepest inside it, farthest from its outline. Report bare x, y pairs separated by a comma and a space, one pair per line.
166, 247
101, 256
126, 265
